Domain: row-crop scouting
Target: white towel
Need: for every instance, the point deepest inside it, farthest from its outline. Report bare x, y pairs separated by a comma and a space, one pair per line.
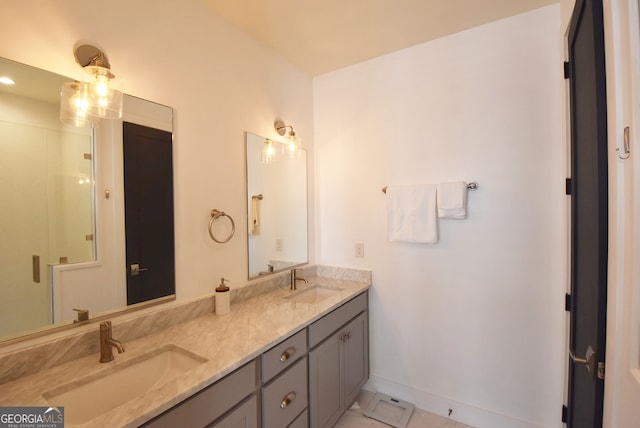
254, 220
411, 214
452, 200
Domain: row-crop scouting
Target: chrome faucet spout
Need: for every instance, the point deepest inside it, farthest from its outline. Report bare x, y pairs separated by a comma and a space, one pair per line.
294, 278
107, 342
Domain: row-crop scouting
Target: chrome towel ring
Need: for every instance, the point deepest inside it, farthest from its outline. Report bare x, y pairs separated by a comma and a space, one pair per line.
215, 214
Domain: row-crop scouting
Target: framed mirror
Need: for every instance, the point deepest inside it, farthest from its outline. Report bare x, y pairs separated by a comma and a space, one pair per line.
277, 233
56, 181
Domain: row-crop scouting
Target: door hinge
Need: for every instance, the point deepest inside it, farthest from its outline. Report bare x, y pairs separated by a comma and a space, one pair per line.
600, 370
565, 413
567, 70
568, 186
567, 302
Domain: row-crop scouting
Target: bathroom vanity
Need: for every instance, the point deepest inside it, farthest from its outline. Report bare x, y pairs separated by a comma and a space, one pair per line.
318, 371
281, 358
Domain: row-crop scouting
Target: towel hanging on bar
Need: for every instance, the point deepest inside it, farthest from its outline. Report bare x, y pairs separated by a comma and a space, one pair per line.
452, 200
471, 186
411, 214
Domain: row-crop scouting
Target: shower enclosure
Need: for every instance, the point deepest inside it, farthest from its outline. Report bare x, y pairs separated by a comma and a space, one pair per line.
47, 216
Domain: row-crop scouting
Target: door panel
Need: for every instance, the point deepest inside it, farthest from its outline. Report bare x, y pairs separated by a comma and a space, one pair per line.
26, 304
325, 372
589, 220
356, 357
148, 187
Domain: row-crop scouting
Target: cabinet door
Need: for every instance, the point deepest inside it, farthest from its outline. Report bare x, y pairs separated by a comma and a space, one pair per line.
245, 416
325, 386
356, 357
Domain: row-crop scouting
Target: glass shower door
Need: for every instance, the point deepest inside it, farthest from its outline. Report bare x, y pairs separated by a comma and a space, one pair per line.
24, 276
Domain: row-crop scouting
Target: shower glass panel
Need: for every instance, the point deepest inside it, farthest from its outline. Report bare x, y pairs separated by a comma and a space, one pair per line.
46, 183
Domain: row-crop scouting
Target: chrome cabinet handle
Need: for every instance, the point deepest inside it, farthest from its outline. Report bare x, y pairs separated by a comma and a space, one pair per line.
288, 399
288, 353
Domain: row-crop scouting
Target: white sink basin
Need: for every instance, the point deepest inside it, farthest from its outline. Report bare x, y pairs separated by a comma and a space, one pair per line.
314, 294
91, 396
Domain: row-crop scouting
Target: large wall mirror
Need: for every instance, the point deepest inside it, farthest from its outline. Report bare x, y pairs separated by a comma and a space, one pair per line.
55, 181
276, 207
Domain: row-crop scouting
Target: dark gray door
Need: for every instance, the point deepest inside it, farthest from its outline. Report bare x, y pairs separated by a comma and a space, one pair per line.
148, 188
589, 233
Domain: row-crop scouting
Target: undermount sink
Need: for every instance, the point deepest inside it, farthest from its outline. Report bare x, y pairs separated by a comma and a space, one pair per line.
314, 294
91, 396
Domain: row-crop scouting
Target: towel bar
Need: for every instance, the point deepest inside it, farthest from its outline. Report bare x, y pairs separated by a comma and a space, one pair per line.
471, 186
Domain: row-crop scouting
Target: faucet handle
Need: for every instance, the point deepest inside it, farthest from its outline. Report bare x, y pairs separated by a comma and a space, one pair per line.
105, 326
83, 315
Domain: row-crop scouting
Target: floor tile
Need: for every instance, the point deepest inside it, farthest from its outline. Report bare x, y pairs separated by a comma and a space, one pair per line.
354, 418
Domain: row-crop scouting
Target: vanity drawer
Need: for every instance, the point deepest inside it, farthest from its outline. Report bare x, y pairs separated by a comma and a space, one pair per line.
285, 397
321, 329
283, 355
209, 404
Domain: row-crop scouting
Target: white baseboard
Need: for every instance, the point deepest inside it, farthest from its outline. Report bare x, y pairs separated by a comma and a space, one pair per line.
461, 412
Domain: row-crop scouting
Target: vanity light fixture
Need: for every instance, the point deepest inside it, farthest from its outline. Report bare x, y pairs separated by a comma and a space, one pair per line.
292, 143
100, 96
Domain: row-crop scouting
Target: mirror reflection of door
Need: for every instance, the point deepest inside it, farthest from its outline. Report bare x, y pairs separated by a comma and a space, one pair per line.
46, 182
23, 227
148, 187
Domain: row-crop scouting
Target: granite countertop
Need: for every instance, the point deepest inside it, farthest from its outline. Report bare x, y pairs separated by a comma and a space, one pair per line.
227, 342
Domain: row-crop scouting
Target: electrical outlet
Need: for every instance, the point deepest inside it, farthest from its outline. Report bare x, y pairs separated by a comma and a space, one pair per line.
279, 244
359, 249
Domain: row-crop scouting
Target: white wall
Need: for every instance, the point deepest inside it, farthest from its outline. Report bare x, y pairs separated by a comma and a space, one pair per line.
220, 83
473, 323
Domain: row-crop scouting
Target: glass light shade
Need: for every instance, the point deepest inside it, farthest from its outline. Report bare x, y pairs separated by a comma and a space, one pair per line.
292, 146
269, 151
105, 93
74, 105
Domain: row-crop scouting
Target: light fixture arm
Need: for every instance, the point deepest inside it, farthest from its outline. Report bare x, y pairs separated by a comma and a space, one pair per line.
281, 128
99, 60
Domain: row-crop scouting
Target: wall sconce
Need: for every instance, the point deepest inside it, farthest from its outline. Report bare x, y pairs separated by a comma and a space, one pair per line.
100, 96
292, 143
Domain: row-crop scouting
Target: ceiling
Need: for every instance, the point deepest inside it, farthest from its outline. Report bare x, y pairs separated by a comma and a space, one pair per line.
324, 35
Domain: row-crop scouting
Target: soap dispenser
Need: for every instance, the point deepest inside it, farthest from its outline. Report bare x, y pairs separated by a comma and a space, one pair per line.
223, 300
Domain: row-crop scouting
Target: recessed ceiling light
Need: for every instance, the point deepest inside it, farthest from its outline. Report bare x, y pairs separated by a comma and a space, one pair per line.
6, 80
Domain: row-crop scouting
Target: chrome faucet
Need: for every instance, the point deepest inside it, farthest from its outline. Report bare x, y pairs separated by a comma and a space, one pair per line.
294, 278
106, 342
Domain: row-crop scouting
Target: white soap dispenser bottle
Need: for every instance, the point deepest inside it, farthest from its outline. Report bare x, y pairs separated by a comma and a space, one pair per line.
223, 299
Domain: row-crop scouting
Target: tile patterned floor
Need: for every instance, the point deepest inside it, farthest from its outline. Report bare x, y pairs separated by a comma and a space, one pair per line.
419, 419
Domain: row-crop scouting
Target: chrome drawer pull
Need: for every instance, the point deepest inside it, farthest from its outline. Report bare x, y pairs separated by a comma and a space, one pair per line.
288, 353
287, 399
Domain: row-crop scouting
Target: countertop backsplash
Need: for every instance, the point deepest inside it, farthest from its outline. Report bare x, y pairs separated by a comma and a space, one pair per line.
79, 343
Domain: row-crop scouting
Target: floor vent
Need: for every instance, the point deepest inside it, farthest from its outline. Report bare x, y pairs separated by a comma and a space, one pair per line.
390, 411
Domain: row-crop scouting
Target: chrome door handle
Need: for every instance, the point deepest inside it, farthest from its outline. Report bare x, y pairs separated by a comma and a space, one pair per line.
136, 269
589, 361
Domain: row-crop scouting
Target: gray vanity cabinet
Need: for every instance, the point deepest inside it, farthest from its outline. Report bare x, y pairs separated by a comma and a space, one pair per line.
308, 379
234, 393
338, 361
